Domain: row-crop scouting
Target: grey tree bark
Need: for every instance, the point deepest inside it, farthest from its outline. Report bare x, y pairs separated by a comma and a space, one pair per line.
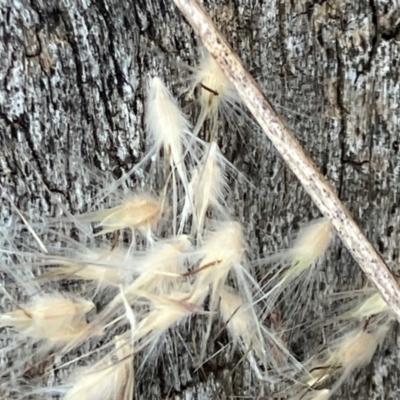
73, 80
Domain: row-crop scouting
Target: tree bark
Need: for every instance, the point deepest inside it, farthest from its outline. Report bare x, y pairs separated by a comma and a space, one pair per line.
73, 78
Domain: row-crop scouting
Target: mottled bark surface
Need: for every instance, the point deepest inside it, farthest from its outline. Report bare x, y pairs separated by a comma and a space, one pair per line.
73, 78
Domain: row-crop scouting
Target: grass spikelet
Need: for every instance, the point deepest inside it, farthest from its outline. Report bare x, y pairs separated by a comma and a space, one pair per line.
170, 130
160, 271
55, 318
352, 351
106, 267
218, 259
372, 305
360, 305
206, 188
215, 90
165, 121
107, 379
166, 312
309, 247
141, 211
241, 322
247, 330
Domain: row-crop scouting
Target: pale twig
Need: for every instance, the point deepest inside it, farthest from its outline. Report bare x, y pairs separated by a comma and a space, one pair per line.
292, 153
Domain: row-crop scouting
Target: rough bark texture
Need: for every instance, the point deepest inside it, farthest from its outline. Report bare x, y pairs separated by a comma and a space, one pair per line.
73, 80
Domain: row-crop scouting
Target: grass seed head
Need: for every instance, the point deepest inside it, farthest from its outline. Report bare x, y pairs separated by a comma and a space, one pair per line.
166, 258
55, 318
213, 82
209, 185
166, 312
104, 266
312, 242
170, 130
373, 305
166, 123
140, 211
352, 351
223, 250
107, 379
241, 321
355, 350
215, 89
226, 243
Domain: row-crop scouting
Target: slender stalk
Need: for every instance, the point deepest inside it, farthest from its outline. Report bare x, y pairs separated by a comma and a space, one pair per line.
293, 154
